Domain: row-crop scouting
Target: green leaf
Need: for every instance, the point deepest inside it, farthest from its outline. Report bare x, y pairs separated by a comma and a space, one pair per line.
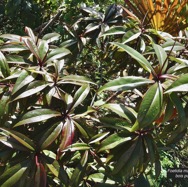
101, 178
180, 85
13, 37
31, 34
150, 107
115, 123
43, 49
80, 95
9, 141
133, 37
56, 168
57, 54
150, 143
114, 140
51, 37
40, 176
12, 48
37, 115
125, 83
50, 135
115, 30
13, 174
161, 55
33, 48
136, 55
33, 88
122, 111
67, 134
79, 171
24, 79
21, 138
129, 159
181, 112
78, 147
4, 68
98, 137
76, 78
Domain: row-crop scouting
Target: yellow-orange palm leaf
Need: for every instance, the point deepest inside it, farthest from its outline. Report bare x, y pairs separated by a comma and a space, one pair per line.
164, 15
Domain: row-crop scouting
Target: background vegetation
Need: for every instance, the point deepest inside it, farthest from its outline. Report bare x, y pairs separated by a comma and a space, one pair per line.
93, 93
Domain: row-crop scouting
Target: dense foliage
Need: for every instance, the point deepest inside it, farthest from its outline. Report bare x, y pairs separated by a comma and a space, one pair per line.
101, 103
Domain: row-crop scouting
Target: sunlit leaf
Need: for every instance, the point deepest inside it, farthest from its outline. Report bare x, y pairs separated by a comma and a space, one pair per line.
180, 85
57, 54
51, 37
129, 158
24, 78
150, 107
43, 49
98, 137
80, 95
161, 55
122, 111
76, 78
4, 68
125, 83
136, 55
50, 135
114, 140
37, 115
114, 31
78, 147
67, 134
13, 174
21, 138
79, 171
33, 88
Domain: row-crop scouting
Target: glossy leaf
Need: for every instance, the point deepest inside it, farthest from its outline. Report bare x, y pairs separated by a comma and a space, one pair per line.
13, 48
37, 115
57, 54
33, 88
40, 176
114, 140
136, 55
180, 109
102, 179
80, 95
150, 107
51, 37
79, 171
24, 79
98, 137
13, 174
125, 83
33, 48
161, 55
21, 138
122, 111
114, 31
180, 85
129, 158
13, 37
57, 170
50, 135
78, 147
67, 134
76, 78
4, 68
30, 34
43, 49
